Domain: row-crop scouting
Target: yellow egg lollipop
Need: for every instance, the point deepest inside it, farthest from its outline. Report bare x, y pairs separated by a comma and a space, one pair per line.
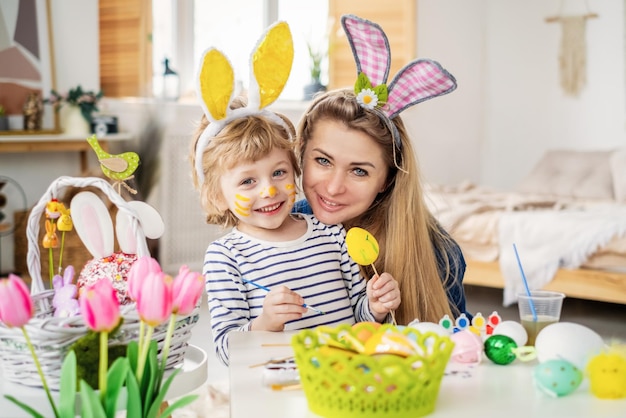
362, 246
364, 249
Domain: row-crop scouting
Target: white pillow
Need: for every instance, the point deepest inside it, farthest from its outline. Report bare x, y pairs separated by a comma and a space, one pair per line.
571, 173
618, 170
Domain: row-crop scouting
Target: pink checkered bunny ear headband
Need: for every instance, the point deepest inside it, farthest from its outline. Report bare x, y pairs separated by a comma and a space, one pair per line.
270, 65
419, 80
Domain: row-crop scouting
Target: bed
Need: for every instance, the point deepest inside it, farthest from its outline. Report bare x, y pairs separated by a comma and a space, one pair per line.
567, 220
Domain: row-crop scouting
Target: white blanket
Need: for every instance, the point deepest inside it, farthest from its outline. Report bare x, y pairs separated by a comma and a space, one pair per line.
547, 240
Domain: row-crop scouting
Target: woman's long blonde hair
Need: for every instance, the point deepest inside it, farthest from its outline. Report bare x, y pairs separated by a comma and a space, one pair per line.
406, 231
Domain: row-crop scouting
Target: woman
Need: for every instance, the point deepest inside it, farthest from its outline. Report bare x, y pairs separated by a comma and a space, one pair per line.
359, 169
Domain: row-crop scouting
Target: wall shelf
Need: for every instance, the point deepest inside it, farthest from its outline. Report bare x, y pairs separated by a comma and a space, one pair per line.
56, 143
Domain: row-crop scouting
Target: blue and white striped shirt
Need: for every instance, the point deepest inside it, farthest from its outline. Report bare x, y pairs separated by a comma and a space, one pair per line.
316, 265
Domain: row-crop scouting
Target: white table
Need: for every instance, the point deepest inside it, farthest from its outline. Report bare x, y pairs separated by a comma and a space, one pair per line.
193, 374
485, 390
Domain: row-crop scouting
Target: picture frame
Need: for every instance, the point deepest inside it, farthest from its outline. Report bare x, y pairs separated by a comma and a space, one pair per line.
26, 63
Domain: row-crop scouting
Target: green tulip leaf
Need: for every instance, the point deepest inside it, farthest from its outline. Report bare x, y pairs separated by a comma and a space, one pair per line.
134, 400
90, 402
116, 377
180, 402
69, 386
25, 407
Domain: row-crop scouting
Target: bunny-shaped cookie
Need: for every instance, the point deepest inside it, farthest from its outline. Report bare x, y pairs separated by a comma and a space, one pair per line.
65, 292
95, 228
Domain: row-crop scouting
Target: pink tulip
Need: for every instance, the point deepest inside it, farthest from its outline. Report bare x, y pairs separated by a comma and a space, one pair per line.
154, 298
100, 307
187, 290
16, 306
140, 269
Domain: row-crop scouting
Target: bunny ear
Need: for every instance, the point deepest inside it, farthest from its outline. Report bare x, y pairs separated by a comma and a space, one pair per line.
270, 65
216, 84
418, 81
370, 47
93, 223
149, 219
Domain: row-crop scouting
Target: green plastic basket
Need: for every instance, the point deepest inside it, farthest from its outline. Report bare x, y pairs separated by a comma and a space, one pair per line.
342, 384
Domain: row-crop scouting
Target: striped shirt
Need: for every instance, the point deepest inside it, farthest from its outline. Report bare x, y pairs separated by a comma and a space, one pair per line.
316, 266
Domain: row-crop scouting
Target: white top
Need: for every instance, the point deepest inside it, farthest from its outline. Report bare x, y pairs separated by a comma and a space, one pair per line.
316, 265
485, 390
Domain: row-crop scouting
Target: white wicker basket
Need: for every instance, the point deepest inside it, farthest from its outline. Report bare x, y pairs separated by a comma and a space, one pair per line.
52, 336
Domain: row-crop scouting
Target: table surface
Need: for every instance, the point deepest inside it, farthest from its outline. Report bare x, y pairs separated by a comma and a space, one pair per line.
193, 374
485, 389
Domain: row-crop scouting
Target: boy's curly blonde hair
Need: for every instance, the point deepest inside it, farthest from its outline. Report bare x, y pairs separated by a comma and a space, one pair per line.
246, 139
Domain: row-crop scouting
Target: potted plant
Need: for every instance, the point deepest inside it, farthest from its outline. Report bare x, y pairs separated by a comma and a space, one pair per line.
77, 115
317, 53
4, 120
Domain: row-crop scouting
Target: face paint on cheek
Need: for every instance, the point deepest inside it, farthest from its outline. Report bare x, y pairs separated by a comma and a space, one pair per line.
243, 210
291, 192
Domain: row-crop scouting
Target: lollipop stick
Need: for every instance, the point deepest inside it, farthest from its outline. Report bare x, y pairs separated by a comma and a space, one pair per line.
393, 315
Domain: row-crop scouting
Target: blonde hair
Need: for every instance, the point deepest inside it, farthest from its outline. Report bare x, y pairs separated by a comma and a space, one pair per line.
407, 232
245, 139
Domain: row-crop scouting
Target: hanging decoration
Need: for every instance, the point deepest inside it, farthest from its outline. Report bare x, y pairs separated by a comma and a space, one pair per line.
573, 49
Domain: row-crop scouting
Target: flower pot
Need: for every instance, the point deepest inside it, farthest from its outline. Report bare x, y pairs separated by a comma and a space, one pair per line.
73, 122
311, 89
4, 123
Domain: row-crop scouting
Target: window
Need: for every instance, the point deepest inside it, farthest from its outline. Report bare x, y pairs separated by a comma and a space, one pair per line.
184, 29
136, 36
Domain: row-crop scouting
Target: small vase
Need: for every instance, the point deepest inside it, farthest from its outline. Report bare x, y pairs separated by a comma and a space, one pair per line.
73, 122
310, 90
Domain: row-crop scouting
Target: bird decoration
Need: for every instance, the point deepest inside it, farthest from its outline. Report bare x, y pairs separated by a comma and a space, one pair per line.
117, 167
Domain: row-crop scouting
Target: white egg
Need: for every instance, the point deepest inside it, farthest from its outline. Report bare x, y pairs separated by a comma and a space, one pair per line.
568, 341
512, 329
429, 327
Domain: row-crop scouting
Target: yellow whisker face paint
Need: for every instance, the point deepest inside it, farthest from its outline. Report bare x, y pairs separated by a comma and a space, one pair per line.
291, 192
243, 210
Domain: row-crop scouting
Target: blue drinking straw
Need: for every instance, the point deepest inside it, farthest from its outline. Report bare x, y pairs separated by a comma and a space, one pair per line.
267, 289
530, 301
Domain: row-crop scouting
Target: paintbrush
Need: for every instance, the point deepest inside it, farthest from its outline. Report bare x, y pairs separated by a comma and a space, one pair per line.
267, 289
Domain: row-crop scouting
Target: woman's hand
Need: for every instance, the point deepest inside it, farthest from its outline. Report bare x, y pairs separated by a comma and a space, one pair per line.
383, 294
280, 306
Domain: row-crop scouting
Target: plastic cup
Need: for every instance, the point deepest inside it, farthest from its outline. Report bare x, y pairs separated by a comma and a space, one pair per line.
547, 309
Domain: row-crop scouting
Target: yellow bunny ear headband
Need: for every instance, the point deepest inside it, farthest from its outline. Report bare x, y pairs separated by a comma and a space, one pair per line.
270, 65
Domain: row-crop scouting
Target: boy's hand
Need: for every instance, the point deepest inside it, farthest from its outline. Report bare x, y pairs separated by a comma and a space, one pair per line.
383, 294
280, 306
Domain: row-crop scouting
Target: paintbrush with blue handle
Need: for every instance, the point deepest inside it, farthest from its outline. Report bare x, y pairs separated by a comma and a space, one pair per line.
267, 289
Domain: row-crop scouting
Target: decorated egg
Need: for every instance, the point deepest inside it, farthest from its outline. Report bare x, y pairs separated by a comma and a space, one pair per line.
364, 330
607, 375
500, 349
512, 329
557, 377
391, 343
568, 341
468, 347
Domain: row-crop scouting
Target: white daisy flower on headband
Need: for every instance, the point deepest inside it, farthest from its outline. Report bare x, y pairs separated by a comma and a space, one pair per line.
367, 98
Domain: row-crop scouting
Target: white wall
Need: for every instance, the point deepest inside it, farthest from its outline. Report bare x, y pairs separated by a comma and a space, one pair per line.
508, 108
